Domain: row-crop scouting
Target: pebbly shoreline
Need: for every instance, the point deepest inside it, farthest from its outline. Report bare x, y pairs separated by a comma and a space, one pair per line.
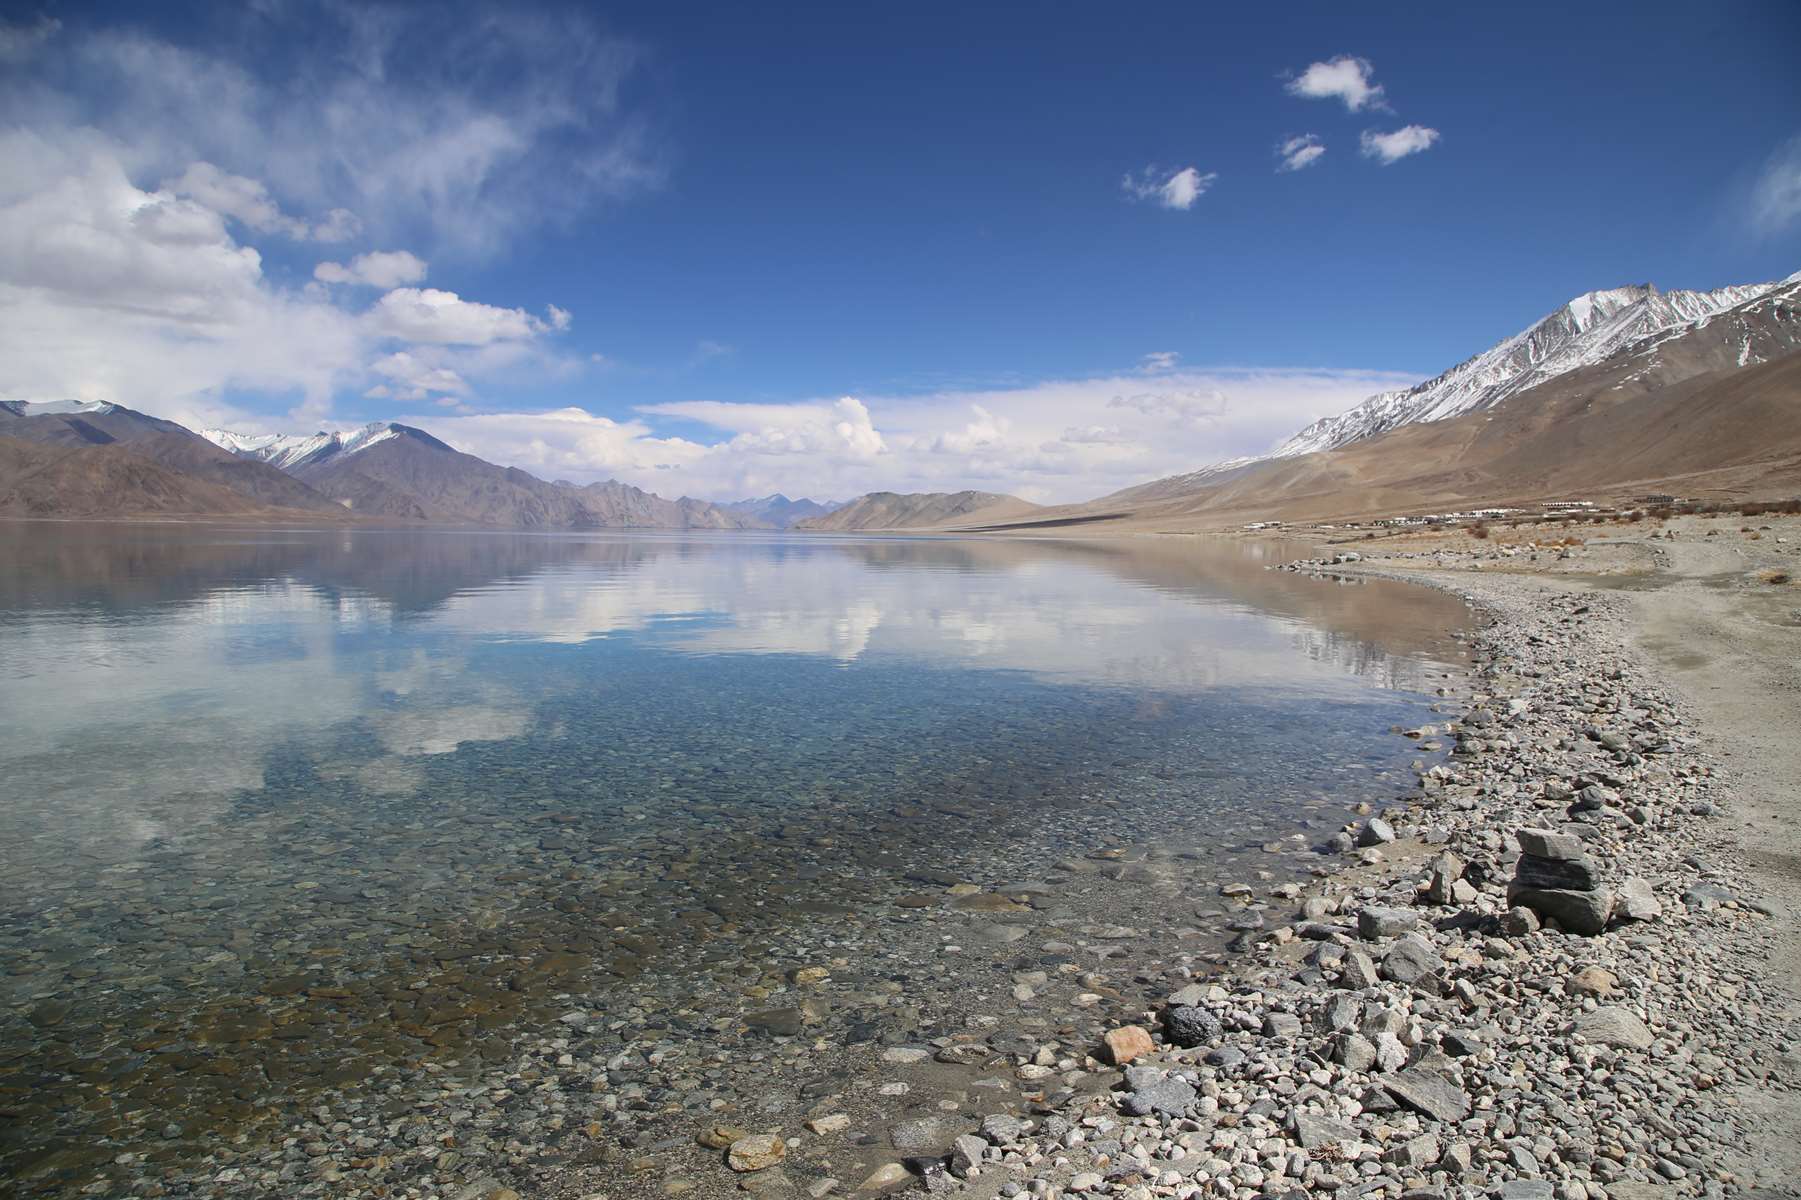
1409, 1028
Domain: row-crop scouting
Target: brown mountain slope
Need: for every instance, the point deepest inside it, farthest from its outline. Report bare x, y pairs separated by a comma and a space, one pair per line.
1590, 435
921, 510
104, 481
414, 476
173, 446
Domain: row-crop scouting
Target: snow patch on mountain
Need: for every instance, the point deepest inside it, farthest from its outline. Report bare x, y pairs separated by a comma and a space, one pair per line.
1588, 330
288, 451
43, 408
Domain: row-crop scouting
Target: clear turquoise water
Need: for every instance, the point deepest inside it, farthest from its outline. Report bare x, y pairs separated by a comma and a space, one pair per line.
234, 761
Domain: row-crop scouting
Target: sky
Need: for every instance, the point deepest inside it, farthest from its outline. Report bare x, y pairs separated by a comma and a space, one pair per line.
713, 250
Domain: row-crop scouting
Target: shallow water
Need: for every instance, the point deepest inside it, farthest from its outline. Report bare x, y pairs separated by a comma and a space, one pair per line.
288, 815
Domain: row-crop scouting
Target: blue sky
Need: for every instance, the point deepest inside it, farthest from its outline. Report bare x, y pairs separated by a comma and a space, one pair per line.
1033, 248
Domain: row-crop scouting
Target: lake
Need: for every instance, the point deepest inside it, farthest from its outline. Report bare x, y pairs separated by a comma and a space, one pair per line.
332, 836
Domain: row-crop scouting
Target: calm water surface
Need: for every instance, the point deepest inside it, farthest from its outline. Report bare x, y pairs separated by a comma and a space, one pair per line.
290, 814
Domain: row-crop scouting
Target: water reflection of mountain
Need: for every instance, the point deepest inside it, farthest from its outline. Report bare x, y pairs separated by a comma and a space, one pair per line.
594, 585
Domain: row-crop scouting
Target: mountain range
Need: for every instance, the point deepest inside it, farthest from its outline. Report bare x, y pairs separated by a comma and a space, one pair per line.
1625, 388
1624, 391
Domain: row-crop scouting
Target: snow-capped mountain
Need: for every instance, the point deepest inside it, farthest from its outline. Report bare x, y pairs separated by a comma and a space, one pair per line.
1588, 330
57, 408
290, 451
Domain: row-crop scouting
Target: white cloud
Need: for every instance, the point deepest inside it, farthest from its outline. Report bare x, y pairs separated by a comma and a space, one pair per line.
249, 202
841, 430
1297, 153
438, 317
1178, 190
1345, 78
114, 292
1393, 147
1159, 360
1053, 441
1776, 196
410, 377
508, 123
377, 269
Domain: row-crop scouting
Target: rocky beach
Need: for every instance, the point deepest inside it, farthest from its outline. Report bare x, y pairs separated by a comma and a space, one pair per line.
1556, 972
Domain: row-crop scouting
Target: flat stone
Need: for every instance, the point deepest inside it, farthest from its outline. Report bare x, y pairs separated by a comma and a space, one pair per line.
1615, 1026
758, 1152
889, 1175
1315, 1132
1128, 1042
1581, 874
1171, 1096
1286, 1026
1428, 1092
1374, 921
1410, 959
776, 1022
1549, 844
923, 1135
1592, 981
1638, 902
1577, 912
1529, 1189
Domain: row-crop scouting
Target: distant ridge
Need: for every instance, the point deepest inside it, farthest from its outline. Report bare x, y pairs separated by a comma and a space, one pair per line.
921, 510
777, 511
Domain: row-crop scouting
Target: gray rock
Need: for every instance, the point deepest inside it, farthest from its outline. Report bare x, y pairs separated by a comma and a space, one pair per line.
1527, 1189
1615, 1026
924, 1135
1341, 1014
1170, 1096
1410, 959
1225, 1056
966, 1152
1577, 912
1355, 1052
1188, 1026
1518, 921
1357, 970
1002, 1129
1315, 1132
1282, 1025
1638, 902
1374, 921
1447, 869
1375, 832
1428, 1092
1707, 896
1549, 844
1421, 1151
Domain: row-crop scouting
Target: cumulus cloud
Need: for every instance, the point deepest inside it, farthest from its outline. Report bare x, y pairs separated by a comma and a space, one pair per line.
149, 297
1776, 196
1392, 147
1177, 190
444, 318
376, 269
1299, 152
1345, 78
410, 377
